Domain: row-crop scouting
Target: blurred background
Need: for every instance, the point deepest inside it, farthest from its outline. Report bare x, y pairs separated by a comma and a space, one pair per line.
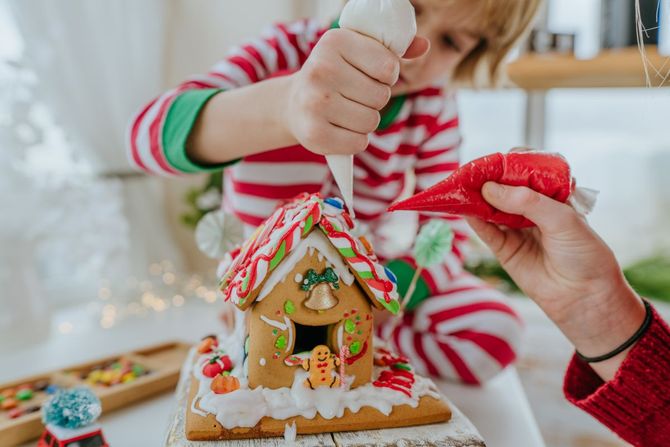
87, 243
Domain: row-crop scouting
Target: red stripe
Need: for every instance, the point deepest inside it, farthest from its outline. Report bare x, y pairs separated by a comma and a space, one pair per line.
223, 76
291, 154
250, 219
441, 127
134, 151
458, 363
450, 314
383, 202
424, 155
496, 347
246, 66
293, 40
448, 167
253, 52
417, 340
362, 215
429, 92
382, 155
281, 57
155, 136
274, 192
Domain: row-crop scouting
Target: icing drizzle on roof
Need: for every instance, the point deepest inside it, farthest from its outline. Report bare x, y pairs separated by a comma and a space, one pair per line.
282, 232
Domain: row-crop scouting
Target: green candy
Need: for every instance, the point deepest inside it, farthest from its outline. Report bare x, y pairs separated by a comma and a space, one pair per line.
2, 399
355, 347
289, 307
24, 394
138, 370
349, 326
280, 343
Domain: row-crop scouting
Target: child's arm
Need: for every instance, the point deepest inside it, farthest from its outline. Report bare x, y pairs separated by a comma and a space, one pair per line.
329, 106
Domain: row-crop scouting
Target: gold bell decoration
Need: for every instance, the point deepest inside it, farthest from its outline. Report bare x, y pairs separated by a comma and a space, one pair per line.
320, 288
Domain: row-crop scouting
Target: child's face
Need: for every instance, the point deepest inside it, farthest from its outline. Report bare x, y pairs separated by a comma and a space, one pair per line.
453, 34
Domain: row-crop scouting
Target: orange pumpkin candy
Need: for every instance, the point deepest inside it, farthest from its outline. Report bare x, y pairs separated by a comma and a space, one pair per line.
223, 384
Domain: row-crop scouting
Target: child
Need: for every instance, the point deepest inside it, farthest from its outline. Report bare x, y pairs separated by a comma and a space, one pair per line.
311, 90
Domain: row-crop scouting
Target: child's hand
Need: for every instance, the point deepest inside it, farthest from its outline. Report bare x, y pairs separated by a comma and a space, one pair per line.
335, 99
565, 267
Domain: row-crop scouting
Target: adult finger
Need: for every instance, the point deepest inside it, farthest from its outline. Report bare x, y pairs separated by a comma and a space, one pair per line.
551, 216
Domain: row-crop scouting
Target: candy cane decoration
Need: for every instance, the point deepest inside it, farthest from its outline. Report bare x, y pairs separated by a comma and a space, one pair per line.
344, 353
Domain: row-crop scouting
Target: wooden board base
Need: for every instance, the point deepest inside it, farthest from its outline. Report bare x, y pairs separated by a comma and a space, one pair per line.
429, 411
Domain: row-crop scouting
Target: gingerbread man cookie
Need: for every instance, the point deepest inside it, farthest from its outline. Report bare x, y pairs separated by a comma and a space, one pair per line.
320, 366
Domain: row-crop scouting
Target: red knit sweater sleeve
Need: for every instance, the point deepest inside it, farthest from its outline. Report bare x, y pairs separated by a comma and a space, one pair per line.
636, 403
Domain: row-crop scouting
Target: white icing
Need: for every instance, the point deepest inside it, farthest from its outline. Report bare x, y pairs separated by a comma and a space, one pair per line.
298, 278
246, 407
342, 167
316, 240
261, 361
391, 22
273, 323
340, 334
290, 432
289, 325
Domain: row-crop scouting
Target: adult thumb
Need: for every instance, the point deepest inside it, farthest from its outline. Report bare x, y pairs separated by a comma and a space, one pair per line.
418, 48
549, 215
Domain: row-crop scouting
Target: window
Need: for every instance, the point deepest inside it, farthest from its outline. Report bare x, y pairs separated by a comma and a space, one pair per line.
308, 337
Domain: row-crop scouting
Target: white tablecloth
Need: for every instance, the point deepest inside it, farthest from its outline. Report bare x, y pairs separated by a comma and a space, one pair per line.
500, 409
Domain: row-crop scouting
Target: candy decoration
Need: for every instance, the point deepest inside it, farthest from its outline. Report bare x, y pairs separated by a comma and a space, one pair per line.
312, 278
289, 307
283, 231
217, 233
349, 326
208, 344
460, 193
280, 343
216, 365
8, 403
52, 389
344, 353
355, 347
9, 392
24, 394
223, 384
15, 413
73, 408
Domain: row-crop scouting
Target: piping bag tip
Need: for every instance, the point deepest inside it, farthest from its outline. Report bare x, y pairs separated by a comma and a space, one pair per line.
342, 167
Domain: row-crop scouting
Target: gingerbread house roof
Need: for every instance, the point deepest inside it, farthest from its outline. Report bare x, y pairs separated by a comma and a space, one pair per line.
285, 230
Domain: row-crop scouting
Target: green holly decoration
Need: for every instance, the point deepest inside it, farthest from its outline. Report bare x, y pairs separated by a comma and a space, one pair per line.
355, 347
275, 331
402, 366
312, 278
280, 343
349, 326
289, 307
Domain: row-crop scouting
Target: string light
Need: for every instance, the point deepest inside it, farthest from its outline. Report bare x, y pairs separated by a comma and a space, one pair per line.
161, 289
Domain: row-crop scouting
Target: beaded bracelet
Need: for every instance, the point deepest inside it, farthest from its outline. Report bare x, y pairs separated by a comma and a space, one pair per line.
628, 343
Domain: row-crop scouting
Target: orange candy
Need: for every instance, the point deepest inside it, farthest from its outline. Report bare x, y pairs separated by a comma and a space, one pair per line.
225, 384
8, 404
9, 392
207, 345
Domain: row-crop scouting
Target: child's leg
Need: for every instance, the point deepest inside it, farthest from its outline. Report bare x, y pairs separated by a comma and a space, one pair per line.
463, 330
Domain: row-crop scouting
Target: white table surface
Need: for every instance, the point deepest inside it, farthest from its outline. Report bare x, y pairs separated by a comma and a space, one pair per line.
499, 410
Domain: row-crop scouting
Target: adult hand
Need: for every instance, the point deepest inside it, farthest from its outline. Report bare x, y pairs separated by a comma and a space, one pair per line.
566, 269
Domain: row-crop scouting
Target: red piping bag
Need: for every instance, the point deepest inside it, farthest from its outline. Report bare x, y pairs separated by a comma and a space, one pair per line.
460, 193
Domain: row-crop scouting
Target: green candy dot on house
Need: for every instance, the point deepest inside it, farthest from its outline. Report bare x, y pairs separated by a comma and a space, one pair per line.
289, 307
280, 343
355, 348
349, 326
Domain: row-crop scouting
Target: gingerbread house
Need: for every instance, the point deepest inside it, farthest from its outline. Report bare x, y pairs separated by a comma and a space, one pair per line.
306, 280
303, 352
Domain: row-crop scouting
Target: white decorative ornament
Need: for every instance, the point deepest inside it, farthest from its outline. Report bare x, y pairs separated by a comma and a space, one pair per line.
217, 233
391, 22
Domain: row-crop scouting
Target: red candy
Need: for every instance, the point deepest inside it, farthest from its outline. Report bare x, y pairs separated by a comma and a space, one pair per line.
460, 193
217, 365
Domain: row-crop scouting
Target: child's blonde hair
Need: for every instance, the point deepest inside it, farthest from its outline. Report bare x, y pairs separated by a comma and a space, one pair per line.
503, 24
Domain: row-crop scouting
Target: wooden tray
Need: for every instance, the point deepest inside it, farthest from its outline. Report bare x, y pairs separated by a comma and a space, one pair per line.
162, 364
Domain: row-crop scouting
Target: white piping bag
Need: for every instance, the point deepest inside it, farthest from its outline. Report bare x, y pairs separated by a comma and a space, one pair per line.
391, 22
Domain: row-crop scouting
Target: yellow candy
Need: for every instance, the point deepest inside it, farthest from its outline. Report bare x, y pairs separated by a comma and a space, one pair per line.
128, 377
107, 377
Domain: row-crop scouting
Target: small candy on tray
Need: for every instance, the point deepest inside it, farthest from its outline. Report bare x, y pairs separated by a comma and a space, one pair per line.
460, 193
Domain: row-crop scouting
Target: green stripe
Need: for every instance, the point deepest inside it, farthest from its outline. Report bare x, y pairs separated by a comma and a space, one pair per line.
308, 225
347, 252
366, 275
179, 121
404, 272
279, 256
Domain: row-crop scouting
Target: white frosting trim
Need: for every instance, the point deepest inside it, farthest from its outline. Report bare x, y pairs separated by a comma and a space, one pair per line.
316, 240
